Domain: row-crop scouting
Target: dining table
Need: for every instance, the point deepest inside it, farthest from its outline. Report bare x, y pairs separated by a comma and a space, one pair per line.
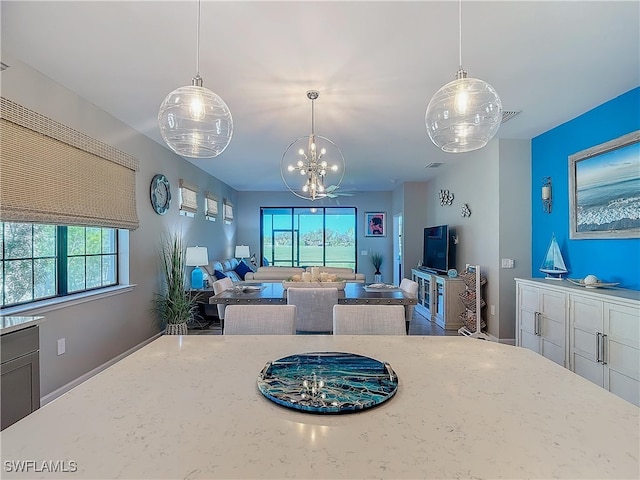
190, 407
353, 293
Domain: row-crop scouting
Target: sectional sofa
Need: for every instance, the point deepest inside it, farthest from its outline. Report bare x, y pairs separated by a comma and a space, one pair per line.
239, 271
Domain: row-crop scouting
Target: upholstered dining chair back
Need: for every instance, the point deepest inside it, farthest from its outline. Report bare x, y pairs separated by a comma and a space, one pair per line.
410, 288
220, 286
315, 308
368, 320
260, 320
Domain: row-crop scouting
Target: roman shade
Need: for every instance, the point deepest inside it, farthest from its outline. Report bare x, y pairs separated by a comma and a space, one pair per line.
188, 197
211, 206
54, 174
228, 211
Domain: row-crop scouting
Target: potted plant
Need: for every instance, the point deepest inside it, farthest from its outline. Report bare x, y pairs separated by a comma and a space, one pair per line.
376, 260
175, 306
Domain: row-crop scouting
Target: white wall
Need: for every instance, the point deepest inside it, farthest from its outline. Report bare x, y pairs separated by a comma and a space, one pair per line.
515, 227
99, 330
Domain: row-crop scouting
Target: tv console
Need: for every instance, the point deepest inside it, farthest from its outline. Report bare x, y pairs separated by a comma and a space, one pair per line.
439, 298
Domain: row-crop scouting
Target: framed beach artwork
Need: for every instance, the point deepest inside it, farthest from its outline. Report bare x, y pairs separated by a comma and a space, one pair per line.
375, 224
604, 190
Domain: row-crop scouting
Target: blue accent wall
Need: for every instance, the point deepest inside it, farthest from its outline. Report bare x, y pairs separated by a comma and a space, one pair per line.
611, 260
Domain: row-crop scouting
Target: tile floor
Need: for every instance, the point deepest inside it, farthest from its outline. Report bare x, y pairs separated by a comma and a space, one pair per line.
419, 326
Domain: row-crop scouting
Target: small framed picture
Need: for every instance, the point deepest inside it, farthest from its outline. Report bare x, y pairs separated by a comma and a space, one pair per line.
375, 224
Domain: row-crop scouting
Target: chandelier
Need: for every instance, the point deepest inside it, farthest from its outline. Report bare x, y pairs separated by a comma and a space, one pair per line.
464, 114
195, 122
312, 164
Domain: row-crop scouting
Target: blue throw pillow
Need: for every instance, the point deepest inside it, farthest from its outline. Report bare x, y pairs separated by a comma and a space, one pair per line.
219, 275
265, 262
242, 269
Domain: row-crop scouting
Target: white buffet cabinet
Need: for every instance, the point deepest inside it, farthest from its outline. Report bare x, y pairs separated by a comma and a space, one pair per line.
593, 332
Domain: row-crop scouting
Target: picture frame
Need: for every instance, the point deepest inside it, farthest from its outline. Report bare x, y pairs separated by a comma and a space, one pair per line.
604, 182
375, 224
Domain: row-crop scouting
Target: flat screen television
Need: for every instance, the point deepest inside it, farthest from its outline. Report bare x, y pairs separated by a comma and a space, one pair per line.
438, 249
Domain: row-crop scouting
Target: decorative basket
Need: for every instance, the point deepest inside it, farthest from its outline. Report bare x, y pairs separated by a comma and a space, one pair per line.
468, 298
469, 279
469, 319
176, 329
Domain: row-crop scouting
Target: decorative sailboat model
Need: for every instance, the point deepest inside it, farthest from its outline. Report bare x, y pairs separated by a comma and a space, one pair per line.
553, 264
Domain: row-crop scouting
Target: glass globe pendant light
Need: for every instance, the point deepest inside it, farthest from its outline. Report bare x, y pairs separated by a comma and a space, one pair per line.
195, 122
312, 166
464, 114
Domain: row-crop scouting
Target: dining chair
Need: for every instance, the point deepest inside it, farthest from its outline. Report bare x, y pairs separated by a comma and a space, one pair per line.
314, 312
411, 289
220, 286
260, 320
368, 320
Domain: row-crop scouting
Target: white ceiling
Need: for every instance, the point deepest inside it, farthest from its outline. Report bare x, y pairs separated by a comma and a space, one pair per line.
376, 65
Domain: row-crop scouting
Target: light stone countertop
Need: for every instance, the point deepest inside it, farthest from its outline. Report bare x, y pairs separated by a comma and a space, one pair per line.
11, 323
188, 407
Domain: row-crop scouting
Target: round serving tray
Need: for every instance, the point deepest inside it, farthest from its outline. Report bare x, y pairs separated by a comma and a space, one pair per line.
328, 382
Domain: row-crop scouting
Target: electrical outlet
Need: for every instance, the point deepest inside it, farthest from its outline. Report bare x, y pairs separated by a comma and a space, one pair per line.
507, 263
364, 253
492, 309
61, 346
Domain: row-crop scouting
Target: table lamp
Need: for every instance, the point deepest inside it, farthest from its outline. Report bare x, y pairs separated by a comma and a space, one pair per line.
242, 251
197, 257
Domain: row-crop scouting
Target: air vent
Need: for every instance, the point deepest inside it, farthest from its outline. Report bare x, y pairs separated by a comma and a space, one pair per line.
508, 115
433, 165
3, 66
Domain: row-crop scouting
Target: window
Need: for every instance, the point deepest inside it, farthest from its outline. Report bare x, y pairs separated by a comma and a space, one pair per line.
188, 199
309, 236
227, 212
210, 206
45, 261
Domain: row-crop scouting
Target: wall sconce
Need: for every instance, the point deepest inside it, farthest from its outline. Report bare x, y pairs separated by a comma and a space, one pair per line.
546, 194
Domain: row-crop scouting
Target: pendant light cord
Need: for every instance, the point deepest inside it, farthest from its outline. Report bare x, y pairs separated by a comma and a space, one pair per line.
198, 43
460, 32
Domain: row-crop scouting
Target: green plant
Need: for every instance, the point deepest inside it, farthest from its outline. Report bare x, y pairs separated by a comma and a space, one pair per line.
175, 304
376, 260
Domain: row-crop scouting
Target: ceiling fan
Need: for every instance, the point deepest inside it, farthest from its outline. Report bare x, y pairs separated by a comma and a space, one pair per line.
331, 192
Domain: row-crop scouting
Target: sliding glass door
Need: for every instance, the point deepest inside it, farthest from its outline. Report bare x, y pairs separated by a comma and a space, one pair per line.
301, 237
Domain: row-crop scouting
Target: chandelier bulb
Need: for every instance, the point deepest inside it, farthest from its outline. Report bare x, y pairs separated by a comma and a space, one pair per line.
291, 168
303, 172
334, 168
323, 151
300, 163
301, 152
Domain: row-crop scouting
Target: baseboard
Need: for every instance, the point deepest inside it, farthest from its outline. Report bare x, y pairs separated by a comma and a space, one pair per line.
83, 378
508, 341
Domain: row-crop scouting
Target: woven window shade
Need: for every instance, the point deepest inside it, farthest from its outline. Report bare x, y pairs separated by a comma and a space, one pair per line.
211, 206
188, 197
53, 174
228, 212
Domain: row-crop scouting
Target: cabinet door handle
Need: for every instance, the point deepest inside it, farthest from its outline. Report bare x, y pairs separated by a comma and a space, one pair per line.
603, 346
536, 324
597, 347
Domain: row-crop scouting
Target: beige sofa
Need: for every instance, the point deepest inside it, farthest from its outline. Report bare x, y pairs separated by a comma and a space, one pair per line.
277, 274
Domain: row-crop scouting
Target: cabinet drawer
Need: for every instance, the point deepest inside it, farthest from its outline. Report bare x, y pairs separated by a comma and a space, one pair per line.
17, 344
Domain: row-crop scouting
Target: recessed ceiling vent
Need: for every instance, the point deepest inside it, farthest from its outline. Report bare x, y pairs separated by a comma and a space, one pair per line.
508, 115
3, 66
433, 165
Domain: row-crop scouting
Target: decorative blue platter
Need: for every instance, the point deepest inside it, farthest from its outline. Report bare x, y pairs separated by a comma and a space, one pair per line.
328, 382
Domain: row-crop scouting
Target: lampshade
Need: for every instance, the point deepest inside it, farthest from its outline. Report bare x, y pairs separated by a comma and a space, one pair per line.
242, 251
196, 256
312, 166
464, 114
195, 122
